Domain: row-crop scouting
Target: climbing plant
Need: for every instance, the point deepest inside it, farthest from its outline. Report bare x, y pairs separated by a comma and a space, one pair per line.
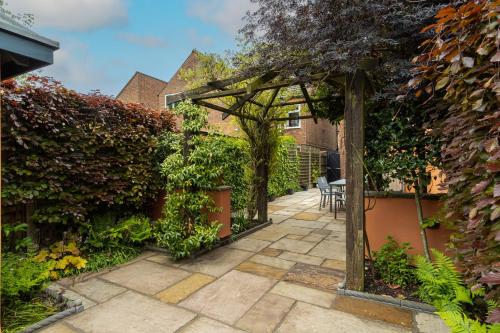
461, 63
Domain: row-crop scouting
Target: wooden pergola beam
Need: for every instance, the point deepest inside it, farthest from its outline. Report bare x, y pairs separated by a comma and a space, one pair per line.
257, 88
309, 103
300, 101
290, 118
270, 101
222, 109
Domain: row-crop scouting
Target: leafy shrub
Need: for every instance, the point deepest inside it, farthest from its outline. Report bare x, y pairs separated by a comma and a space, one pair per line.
62, 259
22, 277
108, 232
462, 309
185, 227
74, 153
284, 171
110, 257
392, 262
239, 224
460, 64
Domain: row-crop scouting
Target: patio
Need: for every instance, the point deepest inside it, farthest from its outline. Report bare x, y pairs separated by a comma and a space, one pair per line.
279, 279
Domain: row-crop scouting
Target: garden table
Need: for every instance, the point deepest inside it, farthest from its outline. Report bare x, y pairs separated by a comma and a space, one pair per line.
340, 184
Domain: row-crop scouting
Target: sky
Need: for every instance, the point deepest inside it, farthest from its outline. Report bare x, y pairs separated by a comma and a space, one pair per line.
104, 42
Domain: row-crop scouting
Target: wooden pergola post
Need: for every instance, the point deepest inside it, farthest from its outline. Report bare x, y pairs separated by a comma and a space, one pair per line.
354, 142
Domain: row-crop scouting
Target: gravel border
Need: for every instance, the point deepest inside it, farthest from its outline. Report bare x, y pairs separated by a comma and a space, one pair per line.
72, 306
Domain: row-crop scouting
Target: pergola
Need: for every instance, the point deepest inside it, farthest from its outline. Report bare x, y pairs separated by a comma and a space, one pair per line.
353, 87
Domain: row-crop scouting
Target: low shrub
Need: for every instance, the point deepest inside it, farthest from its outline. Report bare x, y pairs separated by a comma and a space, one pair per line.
62, 259
392, 263
107, 231
239, 224
110, 257
461, 308
22, 277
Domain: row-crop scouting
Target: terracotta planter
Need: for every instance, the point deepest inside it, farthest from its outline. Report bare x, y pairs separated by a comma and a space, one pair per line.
222, 198
155, 209
395, 214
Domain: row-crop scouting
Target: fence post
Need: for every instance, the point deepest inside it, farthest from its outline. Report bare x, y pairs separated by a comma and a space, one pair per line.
309, 184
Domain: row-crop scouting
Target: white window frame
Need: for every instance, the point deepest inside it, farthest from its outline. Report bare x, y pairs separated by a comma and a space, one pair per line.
166, 105
288, 121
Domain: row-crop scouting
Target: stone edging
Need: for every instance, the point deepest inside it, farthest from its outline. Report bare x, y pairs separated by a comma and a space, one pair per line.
72, 306
251, 231
410, 305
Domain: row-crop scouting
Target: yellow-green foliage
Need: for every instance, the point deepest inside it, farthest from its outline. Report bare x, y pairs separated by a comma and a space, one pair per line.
63, 259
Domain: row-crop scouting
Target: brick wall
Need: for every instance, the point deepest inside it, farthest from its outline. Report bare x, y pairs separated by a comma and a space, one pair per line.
143, 89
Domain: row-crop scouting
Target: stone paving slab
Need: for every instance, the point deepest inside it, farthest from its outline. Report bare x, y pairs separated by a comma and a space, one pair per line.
207, 325
70, 294
315, 276
217, 262
270, 252
304, 294
228, 298
291, 236
429, 323
58, 328
164, 259
249, 244
131, 312
98, 290
262, 270
272, 261
313, 237
153, 277
330, 249
266, 314
184, 288
292, 245
277, 218
303, 223
307, 216
304, 258
334, 264
306, 318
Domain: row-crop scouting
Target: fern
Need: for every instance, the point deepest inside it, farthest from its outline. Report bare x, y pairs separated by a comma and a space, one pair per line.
459, 323
442, 286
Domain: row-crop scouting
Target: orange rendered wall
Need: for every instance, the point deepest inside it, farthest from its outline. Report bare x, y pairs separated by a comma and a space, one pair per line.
397, 217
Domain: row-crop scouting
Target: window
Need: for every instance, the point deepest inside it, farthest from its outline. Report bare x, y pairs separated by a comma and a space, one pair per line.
168, 104
294, 121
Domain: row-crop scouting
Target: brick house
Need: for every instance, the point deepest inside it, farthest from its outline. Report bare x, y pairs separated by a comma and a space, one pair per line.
154, 93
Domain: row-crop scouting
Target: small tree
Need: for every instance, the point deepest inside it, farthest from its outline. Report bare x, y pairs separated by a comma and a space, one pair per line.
399, 146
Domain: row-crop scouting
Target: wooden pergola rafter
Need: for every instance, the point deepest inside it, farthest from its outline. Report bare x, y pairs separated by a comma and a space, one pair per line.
354, 86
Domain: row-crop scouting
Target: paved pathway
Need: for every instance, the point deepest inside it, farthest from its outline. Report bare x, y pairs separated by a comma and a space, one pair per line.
280, 279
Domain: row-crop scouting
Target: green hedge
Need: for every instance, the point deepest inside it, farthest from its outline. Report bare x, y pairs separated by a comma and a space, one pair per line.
73, 154
284, 175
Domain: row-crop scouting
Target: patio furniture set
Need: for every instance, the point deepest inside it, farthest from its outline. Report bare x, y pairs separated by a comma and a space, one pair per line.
334, 192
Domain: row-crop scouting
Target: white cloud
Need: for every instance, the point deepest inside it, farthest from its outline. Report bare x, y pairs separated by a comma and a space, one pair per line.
72, 15
198, 39
142, 40
75, 67
225, 14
